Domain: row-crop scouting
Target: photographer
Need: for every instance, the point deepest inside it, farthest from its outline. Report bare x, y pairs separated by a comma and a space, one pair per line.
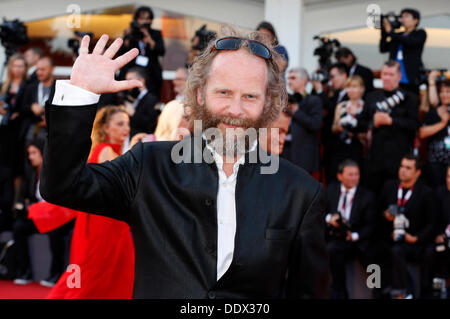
391, 119
351, 224
349, 142
151, 46
437, 256
405, 47
140, 104
345, 55
407, 207
436, 128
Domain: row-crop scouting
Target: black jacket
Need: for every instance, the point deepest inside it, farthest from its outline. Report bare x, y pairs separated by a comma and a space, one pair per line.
419, 210
305, 126
390, 143
145, 116
363, 215
171, 209
412, 50
442, 209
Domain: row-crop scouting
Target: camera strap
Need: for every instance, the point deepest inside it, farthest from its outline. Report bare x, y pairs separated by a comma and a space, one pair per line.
402, 200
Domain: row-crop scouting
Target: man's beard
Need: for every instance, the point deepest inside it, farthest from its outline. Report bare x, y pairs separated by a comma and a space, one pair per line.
231, 142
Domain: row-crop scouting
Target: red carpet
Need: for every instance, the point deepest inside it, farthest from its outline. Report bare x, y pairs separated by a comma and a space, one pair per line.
8, 290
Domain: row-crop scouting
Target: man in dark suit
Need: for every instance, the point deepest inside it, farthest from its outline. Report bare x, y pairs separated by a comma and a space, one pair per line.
141, 107
408, 208
221, 227
392, 117
405, 47
35, 95
305, 124
351, 223
150, 44
345, 55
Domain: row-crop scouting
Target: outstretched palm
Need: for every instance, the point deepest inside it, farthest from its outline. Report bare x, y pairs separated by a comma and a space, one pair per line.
95, 72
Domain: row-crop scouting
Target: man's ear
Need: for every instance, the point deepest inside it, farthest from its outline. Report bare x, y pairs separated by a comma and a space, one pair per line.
200, 99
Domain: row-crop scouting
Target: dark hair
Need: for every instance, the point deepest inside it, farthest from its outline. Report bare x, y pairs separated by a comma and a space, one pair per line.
413, 12
39, 144
441, 84
269, 27
346, 163
343, 52
49, 59
342, 68
392, 63
141, 10
417, 160
141, 72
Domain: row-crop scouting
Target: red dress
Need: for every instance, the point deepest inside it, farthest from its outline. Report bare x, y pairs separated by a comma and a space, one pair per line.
103, 249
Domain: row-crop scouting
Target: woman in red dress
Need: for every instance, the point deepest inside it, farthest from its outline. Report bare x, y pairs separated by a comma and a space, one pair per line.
101, 247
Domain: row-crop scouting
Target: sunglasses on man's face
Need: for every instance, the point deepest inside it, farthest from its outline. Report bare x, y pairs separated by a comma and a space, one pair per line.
233, 43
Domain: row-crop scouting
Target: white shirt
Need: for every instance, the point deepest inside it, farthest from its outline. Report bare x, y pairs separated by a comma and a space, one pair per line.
67, 94
348, 207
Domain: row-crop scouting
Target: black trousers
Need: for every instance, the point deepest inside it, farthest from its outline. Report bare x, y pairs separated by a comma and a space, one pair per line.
23, 228
402, 254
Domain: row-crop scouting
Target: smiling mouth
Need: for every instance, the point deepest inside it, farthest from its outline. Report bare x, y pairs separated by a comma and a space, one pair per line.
231, 126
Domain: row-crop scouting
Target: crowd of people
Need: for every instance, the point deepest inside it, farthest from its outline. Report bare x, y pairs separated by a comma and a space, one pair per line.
384, 204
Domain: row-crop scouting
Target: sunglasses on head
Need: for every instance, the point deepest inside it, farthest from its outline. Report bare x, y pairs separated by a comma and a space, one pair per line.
234, 43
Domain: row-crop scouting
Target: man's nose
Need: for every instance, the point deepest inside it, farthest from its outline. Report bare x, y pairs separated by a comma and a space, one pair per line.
235, 107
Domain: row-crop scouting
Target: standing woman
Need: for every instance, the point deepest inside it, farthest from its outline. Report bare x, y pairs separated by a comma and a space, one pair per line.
345, 124
436, 128
102, 247
11, 148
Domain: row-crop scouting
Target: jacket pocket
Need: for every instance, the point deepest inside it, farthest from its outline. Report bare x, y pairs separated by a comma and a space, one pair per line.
277, 234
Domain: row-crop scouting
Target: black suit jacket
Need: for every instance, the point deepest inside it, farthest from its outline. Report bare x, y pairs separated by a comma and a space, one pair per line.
442, 209
145, 116
390, 143
305, 126
172, 211
419, 210
412, 50
363, 215
367, 75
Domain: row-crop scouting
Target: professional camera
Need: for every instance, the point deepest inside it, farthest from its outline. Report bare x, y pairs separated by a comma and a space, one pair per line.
136, 34
401, 223
201, 38
394, 20
424, 74
320, 76
439, 288
339, 232
74, 43
325, 50
348, 122
389, 103
13, 34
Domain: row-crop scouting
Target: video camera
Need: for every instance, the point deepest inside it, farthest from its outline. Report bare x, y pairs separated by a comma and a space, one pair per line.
394, 20
325, 50
424, 74
74, 43
12, 35
201, 38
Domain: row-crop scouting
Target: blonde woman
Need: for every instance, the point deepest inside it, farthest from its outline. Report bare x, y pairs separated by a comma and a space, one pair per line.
172, 124
349, 145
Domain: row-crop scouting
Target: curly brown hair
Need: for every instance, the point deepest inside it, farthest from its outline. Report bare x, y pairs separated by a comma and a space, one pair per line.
276, 96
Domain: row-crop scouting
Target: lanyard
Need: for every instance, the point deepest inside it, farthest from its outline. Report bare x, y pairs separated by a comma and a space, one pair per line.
402, 202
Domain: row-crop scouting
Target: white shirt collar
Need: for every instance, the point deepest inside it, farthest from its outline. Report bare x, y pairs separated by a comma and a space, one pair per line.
351, 191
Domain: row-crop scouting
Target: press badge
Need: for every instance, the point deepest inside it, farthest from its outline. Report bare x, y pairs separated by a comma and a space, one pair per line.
400, 55
142, 61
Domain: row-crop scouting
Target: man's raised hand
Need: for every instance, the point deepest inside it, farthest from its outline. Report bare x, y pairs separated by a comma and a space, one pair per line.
95, 72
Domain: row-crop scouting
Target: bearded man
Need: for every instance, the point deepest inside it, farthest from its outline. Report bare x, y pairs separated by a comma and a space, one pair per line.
215, 228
